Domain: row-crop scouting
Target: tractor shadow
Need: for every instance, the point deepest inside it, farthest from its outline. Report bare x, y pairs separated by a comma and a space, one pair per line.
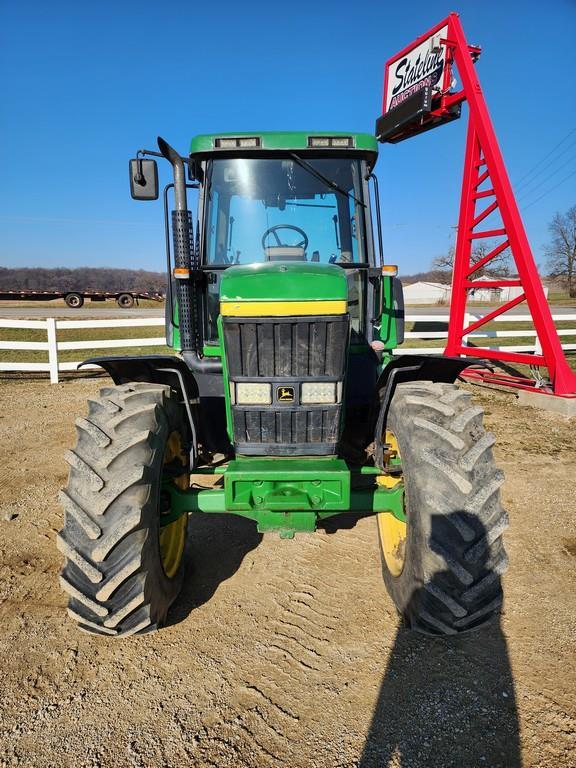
216, 547
446, 702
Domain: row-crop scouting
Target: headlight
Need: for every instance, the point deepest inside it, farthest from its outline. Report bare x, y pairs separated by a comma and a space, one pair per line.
253, 393
318, 392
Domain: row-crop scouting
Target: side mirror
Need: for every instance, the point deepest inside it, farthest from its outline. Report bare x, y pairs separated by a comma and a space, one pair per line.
143, 179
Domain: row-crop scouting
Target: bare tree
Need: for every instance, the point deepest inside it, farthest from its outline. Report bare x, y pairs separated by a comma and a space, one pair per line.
499, 266
561, 250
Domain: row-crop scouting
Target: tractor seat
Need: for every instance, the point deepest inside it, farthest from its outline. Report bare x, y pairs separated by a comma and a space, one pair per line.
285, 253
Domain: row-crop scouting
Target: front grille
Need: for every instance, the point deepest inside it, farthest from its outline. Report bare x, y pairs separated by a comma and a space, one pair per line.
287, 426
286, 352
271, 347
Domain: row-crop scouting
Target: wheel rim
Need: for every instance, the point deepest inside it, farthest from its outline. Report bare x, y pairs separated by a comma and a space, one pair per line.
392, 531
73, 301
172, 537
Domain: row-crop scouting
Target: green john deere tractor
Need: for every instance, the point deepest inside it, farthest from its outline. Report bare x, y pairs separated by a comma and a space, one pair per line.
284, 318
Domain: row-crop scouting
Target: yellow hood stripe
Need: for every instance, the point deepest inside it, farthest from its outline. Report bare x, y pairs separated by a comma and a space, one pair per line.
282, 308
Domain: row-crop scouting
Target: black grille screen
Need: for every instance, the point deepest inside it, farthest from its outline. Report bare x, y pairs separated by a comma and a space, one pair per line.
286, 352
273, 347
287, 426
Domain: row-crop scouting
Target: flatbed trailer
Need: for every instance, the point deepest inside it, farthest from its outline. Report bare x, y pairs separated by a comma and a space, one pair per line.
76, 299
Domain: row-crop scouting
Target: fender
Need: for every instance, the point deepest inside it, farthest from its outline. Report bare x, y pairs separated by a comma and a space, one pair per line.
156, 369
410, 368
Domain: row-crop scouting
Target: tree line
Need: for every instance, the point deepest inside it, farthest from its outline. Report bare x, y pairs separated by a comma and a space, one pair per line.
81, 279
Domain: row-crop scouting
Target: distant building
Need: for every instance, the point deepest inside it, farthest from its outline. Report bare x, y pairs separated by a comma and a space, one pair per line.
439, 293
507, 293
427, 293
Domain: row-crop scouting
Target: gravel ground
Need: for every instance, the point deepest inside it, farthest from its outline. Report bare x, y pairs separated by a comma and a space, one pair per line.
285, 653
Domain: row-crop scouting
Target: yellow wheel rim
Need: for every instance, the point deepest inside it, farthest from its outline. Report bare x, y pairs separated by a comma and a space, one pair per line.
392, 532
173, 536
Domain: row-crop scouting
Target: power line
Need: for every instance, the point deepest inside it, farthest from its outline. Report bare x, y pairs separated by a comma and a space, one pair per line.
549, 190
539, 163
529, 183
530, 192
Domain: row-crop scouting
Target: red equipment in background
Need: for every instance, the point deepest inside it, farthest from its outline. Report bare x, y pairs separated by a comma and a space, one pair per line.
418, 96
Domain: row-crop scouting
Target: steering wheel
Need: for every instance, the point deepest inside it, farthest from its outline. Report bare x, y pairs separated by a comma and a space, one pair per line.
274, 231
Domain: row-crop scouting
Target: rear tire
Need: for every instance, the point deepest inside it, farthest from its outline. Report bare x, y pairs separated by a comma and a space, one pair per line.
453, 554
74, 300
120, 577
125, 300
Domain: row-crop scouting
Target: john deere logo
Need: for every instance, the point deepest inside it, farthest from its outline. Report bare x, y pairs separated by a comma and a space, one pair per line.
285, 394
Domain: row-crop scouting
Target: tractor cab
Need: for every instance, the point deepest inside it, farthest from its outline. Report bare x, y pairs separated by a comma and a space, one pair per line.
296, 198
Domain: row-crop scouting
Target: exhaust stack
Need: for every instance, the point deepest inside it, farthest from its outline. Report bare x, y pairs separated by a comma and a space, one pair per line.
186, 265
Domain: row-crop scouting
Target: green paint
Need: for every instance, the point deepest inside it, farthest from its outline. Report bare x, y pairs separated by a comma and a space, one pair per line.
176, 343
296, 141
212, 350
302, 484
285, 521
283, 281
227, 404
385, 329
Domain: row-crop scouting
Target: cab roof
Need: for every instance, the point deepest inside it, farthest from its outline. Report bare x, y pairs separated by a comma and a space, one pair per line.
333, 141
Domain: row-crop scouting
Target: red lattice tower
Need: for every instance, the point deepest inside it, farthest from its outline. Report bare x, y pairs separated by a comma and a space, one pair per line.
418, 97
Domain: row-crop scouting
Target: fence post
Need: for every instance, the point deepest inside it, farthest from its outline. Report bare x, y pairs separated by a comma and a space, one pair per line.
537, 345
467, 321
52, 350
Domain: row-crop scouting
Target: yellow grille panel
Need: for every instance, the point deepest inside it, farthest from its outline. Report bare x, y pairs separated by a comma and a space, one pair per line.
282, 308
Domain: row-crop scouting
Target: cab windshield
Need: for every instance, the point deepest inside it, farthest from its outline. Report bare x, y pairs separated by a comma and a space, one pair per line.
281, 209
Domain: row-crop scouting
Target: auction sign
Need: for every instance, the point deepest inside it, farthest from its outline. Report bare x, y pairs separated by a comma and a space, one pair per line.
421, 64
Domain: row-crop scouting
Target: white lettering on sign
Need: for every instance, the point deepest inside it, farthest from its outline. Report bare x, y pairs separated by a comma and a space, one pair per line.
423, 65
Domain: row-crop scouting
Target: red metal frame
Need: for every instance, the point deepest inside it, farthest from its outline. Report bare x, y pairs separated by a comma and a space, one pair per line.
484, 163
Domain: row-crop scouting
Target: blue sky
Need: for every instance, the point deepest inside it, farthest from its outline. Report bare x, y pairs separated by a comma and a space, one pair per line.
85, 84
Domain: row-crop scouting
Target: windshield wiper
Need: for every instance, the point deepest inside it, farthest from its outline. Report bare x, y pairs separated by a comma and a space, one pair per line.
208, 179
329, 182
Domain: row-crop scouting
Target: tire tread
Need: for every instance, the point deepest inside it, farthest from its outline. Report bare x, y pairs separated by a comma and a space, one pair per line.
111, 496
452, 583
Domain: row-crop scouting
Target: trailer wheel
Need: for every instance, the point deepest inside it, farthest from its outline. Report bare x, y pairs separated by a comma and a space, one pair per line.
74, 300
125, 300
123, 568
442, 566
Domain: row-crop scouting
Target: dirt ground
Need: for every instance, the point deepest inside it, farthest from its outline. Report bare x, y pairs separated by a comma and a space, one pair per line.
286, 653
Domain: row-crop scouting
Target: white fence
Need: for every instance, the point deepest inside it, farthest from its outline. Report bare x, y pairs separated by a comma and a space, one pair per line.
53, 346
469, 318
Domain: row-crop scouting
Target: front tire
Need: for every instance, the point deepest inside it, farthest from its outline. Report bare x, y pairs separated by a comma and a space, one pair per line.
443, 572
123, 569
